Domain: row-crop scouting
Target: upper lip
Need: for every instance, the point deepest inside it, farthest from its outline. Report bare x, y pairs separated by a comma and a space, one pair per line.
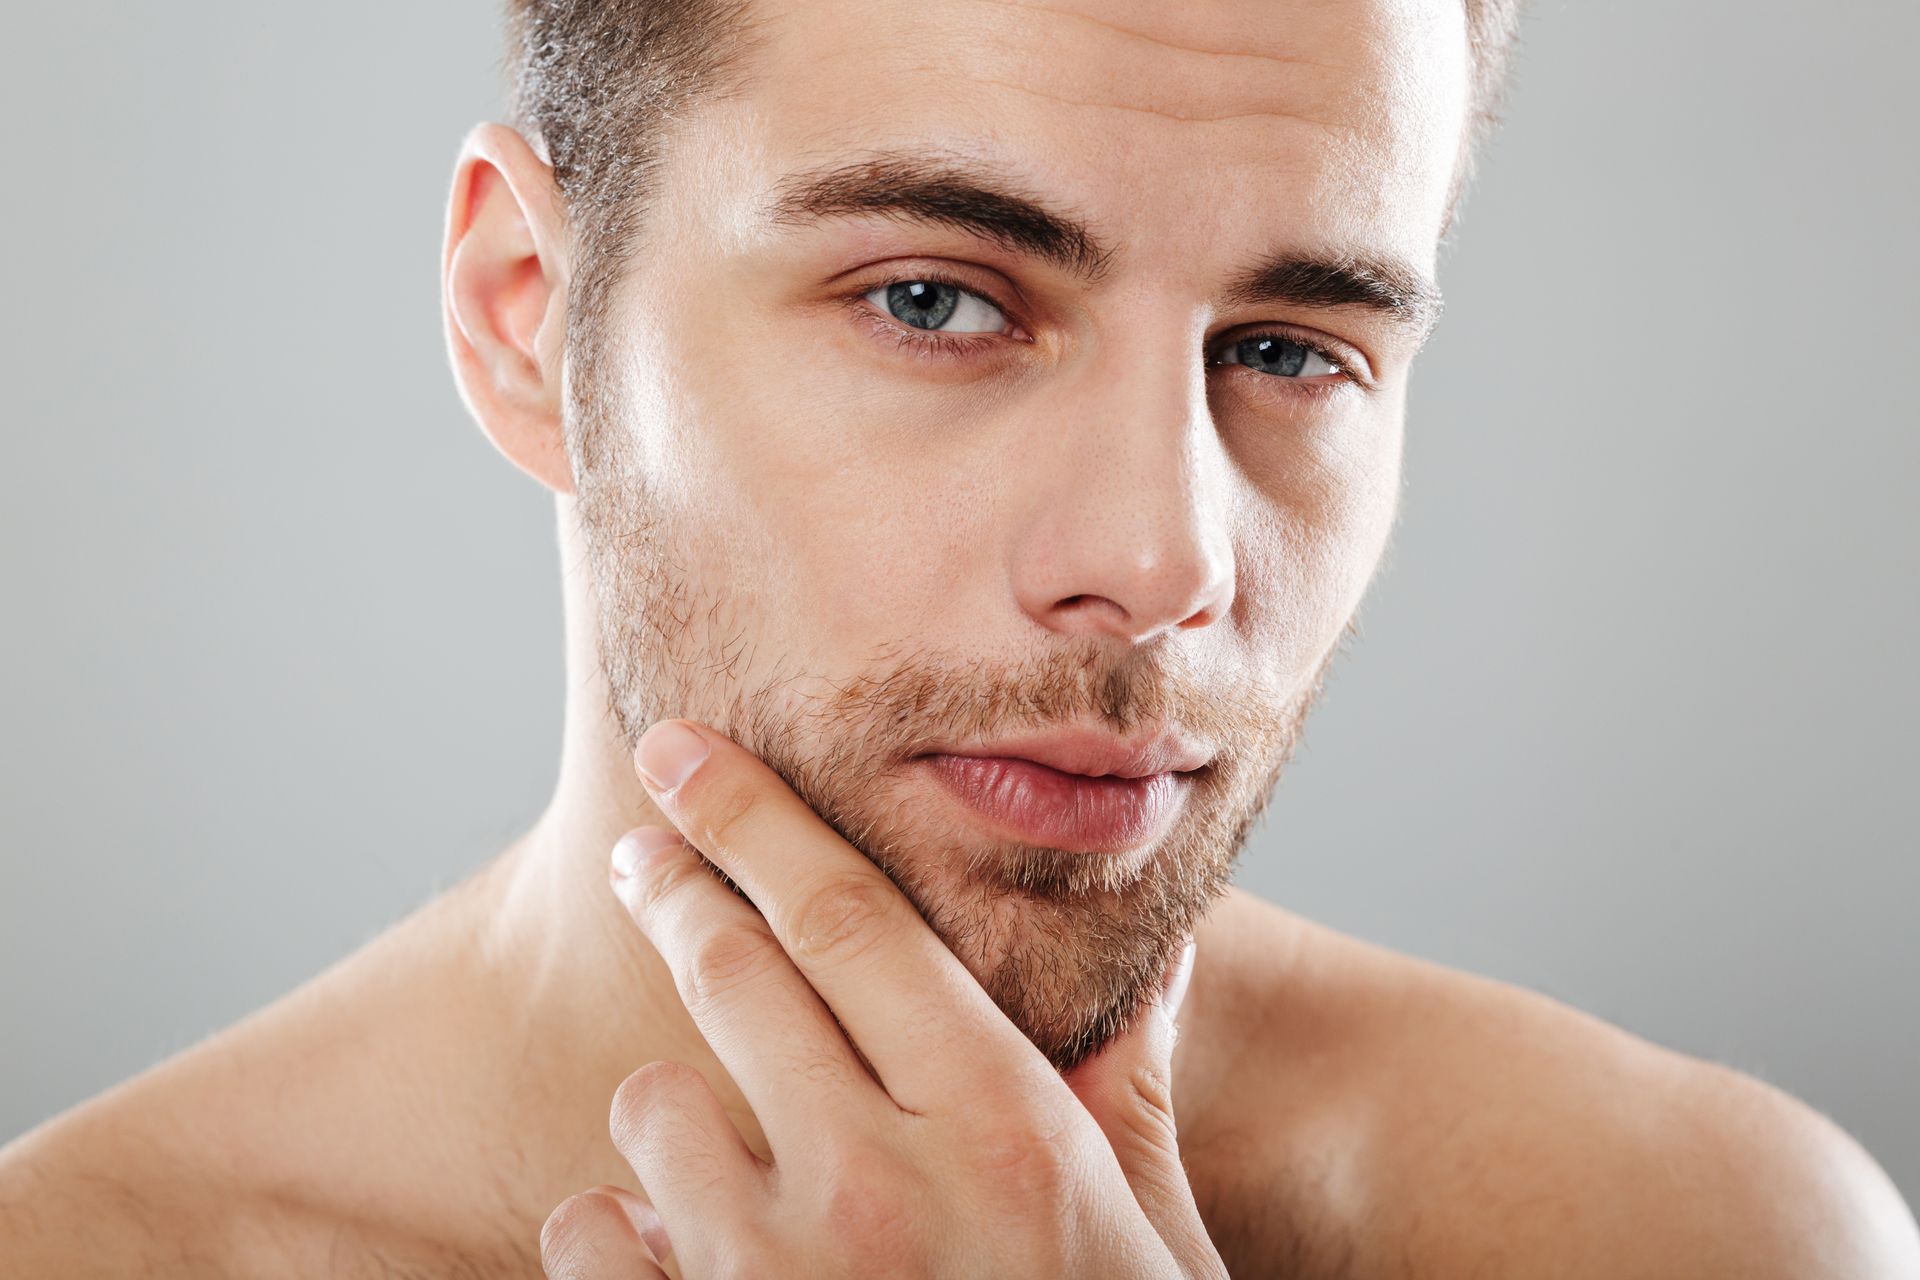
1094, 753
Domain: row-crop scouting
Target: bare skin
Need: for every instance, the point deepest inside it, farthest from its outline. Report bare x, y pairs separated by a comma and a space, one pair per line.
787, 505
1378, 1116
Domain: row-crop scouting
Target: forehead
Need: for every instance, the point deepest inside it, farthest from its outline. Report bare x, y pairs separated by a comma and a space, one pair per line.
1334, 123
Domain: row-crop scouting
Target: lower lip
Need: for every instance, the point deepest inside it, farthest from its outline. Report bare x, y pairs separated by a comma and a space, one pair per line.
1045, 806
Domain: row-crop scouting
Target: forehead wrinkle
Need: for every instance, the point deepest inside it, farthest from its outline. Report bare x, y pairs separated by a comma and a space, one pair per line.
1162, 114
1131, 34
1121, 64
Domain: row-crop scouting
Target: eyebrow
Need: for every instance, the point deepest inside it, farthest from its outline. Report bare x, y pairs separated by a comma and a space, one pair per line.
1383, 286
981, 200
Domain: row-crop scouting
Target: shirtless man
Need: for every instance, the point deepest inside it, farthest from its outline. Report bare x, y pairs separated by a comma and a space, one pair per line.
948, 407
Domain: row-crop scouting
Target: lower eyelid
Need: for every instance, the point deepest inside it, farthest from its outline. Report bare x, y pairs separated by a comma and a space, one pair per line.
1316, 388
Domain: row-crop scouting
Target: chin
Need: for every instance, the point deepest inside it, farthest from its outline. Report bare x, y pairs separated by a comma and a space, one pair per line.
1069, 965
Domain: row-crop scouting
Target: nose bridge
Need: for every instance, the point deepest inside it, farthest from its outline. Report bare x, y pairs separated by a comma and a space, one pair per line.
1129, 516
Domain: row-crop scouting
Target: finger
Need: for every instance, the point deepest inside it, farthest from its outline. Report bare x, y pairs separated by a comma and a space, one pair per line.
704, 1182
902, 995
599, 1235
765, 1023
1128, 1087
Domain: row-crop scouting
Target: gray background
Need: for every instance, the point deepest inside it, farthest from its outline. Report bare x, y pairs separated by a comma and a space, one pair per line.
1629, 722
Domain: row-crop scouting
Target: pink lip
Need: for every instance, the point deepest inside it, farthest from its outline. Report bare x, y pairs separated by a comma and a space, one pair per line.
1041, 805
1093, 751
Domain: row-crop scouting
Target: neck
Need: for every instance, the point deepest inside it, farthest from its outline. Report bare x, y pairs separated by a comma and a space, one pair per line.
585, 997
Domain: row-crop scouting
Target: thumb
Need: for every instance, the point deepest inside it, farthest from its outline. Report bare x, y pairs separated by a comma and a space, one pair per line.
1128, 1088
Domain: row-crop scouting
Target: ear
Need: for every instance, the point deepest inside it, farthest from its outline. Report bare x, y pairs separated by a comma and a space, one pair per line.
503, 279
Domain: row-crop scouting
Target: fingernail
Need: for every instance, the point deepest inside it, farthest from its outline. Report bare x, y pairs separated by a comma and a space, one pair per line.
669, 753
636, 848
1177, 980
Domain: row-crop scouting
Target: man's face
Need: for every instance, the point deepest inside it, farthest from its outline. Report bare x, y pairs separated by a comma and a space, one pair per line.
873, 466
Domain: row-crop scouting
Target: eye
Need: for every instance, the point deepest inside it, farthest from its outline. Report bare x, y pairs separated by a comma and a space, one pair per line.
931, 304
1281, 356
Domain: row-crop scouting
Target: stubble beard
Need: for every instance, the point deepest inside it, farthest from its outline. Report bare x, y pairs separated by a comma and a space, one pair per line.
1070, 946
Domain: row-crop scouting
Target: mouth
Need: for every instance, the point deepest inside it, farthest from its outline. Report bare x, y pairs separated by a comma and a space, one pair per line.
1036, 803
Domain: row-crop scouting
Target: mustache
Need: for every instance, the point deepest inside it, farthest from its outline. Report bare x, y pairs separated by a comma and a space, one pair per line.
840, 743
916, 698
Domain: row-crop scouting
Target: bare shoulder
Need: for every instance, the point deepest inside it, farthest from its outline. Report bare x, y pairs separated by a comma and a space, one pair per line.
243, 1154
1388, 1116
197, 1167
138, 1182
94, 1193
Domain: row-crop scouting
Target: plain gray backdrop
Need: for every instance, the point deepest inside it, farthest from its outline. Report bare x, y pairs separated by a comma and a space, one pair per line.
1630, 722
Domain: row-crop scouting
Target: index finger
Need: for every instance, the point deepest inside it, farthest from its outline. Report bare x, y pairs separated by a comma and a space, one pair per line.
903, 997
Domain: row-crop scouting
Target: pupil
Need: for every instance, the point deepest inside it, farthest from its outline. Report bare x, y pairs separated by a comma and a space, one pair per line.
924, 304
1274, 355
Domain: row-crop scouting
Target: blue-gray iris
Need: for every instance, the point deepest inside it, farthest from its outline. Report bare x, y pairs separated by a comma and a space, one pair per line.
924, 304
1272, 355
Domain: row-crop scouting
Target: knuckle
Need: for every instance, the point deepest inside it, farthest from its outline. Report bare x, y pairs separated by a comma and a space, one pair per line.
728, 959
665, 879
868, 1212
1151, 1088
1026, 1158
842, 919
1148, 1110
825, 1072
728, 811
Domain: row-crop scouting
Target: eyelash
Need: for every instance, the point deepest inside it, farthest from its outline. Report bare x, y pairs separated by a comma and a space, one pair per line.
935, 345
927, 342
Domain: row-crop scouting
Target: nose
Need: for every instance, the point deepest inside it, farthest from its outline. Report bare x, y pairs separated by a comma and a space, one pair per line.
1127, 519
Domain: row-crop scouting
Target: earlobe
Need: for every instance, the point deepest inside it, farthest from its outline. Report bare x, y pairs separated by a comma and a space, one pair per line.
504, 288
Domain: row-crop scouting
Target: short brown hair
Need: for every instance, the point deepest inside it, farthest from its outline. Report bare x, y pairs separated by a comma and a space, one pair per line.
1493, 28
595, 83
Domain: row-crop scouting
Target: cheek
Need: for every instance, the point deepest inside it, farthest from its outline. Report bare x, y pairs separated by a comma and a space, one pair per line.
887, 555
856, 509
841, 533
1325, 510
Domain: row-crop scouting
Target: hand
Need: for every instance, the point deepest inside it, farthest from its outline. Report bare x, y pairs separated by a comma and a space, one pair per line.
962, 1153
